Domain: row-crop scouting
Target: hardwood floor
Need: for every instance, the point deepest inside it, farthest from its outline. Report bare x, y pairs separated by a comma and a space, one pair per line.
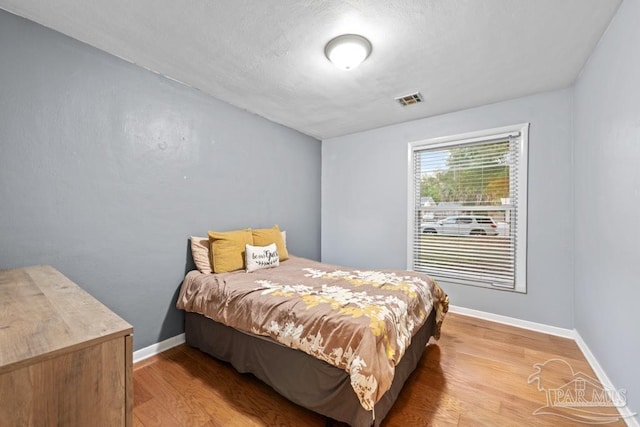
475, 375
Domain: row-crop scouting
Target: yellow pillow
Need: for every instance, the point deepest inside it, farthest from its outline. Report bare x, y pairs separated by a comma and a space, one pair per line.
266, 236
227, 249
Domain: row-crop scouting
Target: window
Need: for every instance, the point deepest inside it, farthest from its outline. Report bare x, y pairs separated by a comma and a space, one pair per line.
468, 208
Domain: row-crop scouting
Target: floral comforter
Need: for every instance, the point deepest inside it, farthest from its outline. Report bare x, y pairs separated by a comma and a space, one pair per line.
359, 321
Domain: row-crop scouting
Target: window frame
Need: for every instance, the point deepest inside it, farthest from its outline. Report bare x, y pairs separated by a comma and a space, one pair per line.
522, 190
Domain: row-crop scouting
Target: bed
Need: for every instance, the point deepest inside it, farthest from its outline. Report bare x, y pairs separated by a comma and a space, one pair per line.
337, 341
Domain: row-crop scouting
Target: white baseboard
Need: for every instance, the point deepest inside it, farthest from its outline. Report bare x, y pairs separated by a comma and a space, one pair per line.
157, 348
628, 416
512, 321
625, 413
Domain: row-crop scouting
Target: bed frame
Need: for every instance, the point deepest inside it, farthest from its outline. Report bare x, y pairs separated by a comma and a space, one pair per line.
299, 377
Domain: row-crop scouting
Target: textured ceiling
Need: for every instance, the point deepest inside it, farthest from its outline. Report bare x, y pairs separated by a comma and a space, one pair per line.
267, 56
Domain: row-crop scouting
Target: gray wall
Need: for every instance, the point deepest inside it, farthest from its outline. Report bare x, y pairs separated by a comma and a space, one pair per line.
364, 202
106, 169
607, 201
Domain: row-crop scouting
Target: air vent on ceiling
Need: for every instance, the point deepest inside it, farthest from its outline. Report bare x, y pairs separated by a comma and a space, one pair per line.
410, 99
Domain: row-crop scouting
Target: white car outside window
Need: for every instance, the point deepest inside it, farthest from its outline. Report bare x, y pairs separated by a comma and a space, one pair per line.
468, 225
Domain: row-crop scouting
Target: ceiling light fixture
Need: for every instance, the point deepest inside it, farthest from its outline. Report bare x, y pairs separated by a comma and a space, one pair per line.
347, 51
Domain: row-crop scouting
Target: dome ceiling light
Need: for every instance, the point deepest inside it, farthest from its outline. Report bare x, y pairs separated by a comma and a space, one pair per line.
347, 51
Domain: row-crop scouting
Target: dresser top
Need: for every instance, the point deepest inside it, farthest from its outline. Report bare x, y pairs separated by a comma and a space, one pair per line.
43, 313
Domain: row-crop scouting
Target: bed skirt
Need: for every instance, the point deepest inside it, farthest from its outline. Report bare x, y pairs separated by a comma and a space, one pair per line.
299, 377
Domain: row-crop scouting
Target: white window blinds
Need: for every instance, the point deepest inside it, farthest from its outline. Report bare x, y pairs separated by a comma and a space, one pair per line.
469, 208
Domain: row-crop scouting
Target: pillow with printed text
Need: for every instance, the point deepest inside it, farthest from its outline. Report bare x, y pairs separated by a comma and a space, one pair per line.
259, 257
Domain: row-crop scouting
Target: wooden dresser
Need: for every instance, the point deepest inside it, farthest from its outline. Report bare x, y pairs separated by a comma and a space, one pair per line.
65, 358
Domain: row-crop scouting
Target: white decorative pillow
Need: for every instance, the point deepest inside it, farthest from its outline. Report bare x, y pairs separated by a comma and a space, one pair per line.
259, 257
